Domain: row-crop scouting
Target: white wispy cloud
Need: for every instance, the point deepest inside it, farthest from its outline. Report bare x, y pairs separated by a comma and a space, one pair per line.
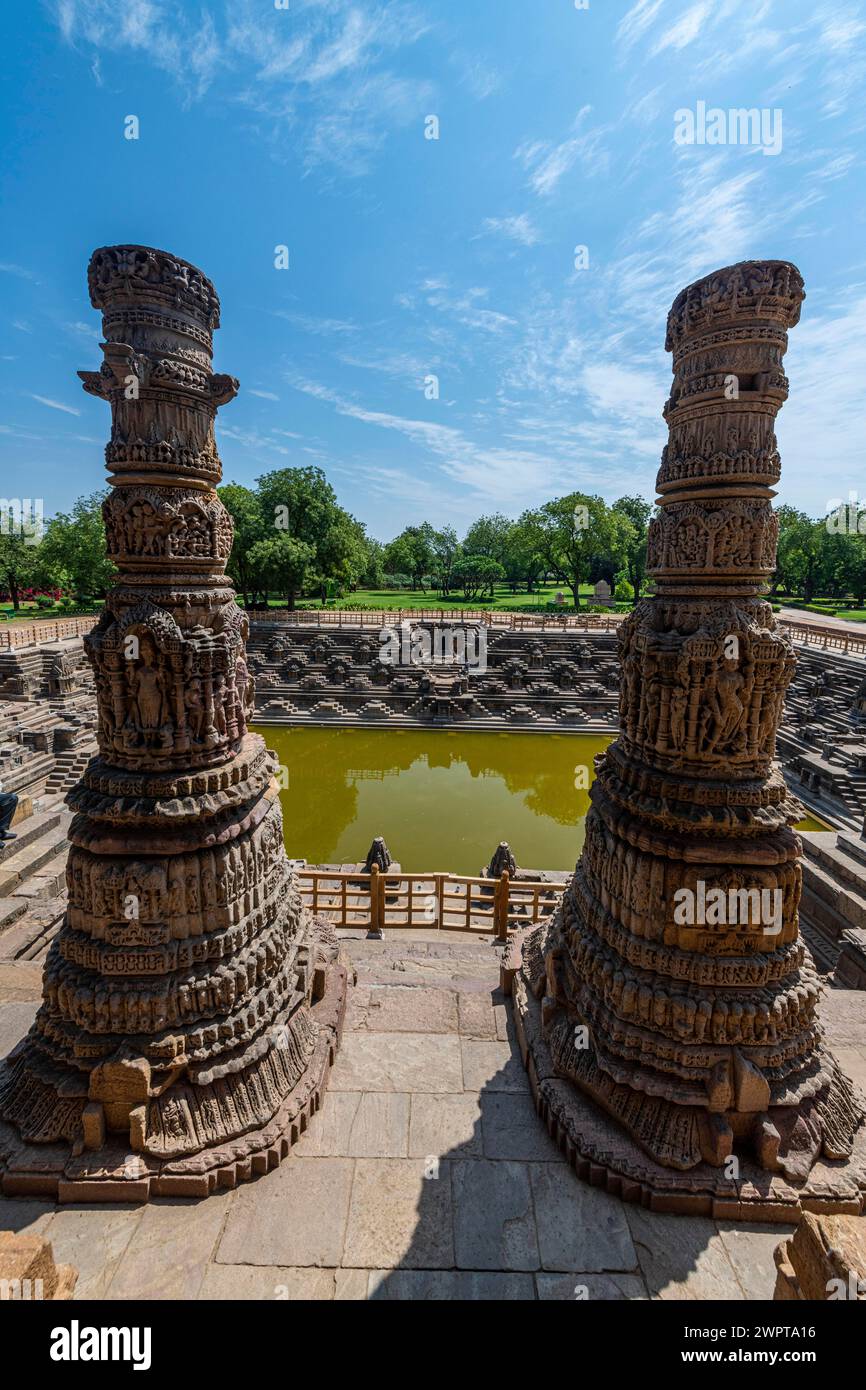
323, 65
19, 271
686, 29
821, 427
547, 163
265, 395
637, 21
520, 228
55, 405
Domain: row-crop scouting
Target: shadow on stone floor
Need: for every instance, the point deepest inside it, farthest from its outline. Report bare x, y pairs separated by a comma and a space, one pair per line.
482, 1207
502, 1216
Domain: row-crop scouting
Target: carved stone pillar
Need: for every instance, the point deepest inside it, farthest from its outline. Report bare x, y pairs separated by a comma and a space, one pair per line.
673, 988
191, 1007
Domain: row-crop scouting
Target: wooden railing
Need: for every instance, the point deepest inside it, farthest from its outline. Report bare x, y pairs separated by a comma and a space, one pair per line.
17, 635
377, 901
817, 635
376, 619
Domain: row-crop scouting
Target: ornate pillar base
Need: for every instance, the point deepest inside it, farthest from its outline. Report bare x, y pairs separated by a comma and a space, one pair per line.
191, 1005
669, 1011
587, 1121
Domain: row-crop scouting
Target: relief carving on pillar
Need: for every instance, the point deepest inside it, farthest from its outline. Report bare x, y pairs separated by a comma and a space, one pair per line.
191, 1005
673, 993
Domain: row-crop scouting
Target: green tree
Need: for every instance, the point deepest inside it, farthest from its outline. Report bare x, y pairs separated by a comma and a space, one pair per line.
300, 503
488, 536
281, 563
476, 575
638, 511
73, 555
19, 565
245, 511
570, 532
446, 549
522, 560
802, 554
412, 553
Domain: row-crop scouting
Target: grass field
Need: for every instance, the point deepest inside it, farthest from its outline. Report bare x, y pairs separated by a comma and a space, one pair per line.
825, 607
503, 599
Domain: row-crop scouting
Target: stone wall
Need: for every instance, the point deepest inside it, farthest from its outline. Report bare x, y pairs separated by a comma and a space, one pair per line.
539, 681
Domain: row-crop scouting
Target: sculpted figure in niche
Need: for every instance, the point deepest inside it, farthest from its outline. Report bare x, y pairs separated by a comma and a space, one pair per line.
688, 545
195, 710
724, 717
733, 545
149, 695
679, 701
652, 695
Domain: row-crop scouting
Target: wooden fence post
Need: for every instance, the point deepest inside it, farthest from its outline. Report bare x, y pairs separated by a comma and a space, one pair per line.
375, 903
500, 905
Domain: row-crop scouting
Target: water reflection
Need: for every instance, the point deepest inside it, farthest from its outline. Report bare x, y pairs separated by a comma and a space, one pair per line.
442, 800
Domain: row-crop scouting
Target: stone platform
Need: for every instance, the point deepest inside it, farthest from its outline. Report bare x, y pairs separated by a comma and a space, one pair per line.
425, 1175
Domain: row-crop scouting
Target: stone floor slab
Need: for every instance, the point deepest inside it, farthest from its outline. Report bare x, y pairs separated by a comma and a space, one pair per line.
579, 1227
398, 1216
512, 1129
494, 1223
294, 1217
477, 1018
170, 1249
590, 1288
15, 1021
93, 1239
682, 1257
267, 1283
329, 1130
25, 1216
355, 1125
492, 1066
445, 1126
448, 1286
402, 1009
416, 1062
750, 1250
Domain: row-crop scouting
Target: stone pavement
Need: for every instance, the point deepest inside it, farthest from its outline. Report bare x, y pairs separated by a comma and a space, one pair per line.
426, 1175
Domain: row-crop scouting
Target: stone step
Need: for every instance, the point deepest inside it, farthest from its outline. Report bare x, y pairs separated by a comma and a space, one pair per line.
49, 881
10, 910
30, 830
847, 902
837, 854
33, 933
18, 869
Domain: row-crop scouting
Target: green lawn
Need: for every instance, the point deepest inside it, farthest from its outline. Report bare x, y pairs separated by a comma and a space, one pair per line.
824, 607
504, 600
28, 612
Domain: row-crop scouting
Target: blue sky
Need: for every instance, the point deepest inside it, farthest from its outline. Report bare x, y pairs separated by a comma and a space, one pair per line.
412, 257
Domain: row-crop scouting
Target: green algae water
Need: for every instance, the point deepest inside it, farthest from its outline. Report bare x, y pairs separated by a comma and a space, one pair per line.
442, 800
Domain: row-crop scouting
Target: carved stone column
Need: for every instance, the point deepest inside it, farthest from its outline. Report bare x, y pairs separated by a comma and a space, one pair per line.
673, 988
191, 1007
